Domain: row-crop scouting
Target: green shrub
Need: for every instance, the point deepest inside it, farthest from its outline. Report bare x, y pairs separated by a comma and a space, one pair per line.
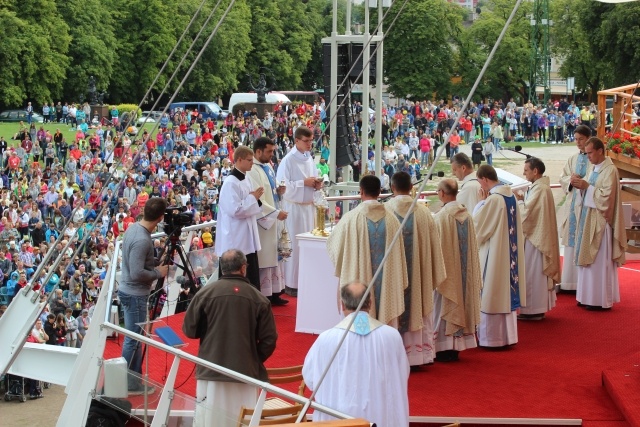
122, 108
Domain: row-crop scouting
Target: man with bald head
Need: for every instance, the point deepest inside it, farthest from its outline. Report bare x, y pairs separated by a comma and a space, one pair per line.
236, 329
456, 310
369, 347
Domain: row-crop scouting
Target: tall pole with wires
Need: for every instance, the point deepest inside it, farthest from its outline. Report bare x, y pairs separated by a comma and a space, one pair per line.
341, 85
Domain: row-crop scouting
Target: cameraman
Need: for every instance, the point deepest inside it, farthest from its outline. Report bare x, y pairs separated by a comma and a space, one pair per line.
139, 271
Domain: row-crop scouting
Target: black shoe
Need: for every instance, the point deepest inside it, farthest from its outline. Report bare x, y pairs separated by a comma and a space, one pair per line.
597, 308
291, 292
531, 316
277, 300
447, 356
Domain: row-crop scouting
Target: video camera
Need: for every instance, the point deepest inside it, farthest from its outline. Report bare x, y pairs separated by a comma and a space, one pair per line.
174, 219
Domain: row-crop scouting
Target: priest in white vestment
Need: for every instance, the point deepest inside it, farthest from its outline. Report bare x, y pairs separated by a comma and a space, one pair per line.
456, 310
357, 245
501, 243
238, 212
462, 168
298, 172
370, 374
579, 165
602, 238
271, 269
425, 269
541, 247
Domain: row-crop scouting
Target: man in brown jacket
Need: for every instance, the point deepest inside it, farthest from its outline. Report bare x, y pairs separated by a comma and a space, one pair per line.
236, 328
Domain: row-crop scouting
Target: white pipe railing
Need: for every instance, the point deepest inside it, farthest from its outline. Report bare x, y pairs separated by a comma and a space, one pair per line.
264, 386
222, 370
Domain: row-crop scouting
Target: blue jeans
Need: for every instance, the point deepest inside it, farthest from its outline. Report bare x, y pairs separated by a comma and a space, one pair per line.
496, 144
424, 159
135, 311
489, 158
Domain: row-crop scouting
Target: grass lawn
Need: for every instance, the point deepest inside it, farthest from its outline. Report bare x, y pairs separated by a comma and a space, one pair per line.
9, 129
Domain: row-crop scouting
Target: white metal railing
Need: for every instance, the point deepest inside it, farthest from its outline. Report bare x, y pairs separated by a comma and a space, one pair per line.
264, 387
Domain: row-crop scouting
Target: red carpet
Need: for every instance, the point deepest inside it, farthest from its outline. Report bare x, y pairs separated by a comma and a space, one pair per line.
555, 371
624, 388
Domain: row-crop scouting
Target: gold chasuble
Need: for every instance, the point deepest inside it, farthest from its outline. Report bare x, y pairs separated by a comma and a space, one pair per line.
540, 227
356, 256
461, 289
501, 247
608, 211
425, 264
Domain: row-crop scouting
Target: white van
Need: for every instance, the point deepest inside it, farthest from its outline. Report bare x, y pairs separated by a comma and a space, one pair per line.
243, 98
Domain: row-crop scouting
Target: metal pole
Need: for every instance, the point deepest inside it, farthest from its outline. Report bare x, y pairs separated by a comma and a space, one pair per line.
364, 115
334, 87
379, 82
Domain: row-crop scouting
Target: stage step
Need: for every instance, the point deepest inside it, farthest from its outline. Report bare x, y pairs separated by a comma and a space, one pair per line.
623, 387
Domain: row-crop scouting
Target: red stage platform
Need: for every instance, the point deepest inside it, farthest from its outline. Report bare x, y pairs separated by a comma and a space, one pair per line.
555, 371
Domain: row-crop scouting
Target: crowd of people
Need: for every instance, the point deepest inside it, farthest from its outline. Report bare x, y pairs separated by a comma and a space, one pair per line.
91, 190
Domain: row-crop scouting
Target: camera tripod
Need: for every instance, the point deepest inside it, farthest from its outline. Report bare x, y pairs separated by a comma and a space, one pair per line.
173, 247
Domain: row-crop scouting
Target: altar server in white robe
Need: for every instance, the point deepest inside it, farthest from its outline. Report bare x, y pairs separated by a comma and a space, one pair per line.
271, 270
579, 165
238, 212
299, 174
541, 247
425, 269
501, 243
456, 309
462, 168
602, 238
369, 376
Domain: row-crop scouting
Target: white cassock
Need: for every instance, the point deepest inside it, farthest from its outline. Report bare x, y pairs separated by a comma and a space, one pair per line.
369, 376
218, 402
298, 202
539, 298
237, 226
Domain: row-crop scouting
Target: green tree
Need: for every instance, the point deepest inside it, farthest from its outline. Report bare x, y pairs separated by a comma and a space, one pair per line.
508, 72
12, 44
611, 31
226, 56
418, 50
33, 51
92, 48
145, 35
281, 41
320, 23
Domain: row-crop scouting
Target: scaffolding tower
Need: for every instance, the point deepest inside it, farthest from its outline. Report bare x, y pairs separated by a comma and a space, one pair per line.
540, 61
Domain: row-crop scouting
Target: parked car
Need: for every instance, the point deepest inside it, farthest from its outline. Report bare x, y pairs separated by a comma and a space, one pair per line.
146, 117
207, 109
155, 115
15, 116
